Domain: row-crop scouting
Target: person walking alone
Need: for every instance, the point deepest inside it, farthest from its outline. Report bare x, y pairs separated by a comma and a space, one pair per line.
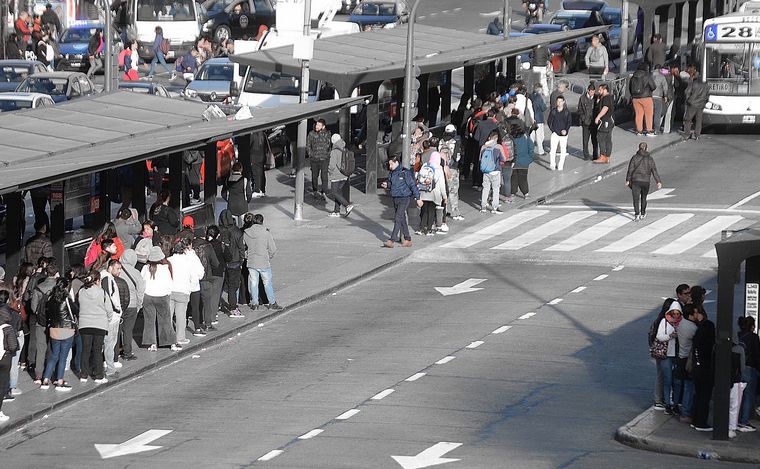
559, 123
640, 169
158, 55
318, 146
403, 189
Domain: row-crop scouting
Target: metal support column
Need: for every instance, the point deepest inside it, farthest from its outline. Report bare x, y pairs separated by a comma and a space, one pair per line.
209, 176
139, 183
15, 224
691, 23
469, 80
422, 100
727, 272
624, 39
648, 26
175, 179
677, 27
57, 222
300, 156
373, 131
446, 97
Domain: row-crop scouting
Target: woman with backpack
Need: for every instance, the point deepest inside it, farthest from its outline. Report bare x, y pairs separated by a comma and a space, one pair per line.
61, 323
165, 217
159, 49
338, 180
430, 183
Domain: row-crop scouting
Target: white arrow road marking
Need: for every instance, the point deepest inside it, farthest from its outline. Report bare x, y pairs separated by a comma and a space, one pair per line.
428, 457
462, 287
661, 194
137, 444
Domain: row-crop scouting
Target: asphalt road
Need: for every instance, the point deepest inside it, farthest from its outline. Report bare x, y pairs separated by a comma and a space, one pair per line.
549, 357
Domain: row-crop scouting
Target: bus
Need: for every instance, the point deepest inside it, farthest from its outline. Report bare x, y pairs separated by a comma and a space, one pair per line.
180, 20
731, 67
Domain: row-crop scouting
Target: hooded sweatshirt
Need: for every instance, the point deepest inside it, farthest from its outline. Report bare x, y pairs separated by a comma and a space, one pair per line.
336, 155
133, 278
93, 312
261, 247
232, 240
237, 192
641, 167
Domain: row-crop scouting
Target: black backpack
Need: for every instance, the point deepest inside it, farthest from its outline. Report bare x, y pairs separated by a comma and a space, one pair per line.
637, 85
41, 311
347, 162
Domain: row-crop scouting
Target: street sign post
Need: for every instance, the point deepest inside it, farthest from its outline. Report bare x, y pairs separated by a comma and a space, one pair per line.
408, 80
303, 52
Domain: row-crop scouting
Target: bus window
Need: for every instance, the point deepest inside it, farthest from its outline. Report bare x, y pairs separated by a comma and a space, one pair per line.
276, 84
165, 10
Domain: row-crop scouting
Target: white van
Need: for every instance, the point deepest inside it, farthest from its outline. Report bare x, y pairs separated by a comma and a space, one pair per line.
180, 20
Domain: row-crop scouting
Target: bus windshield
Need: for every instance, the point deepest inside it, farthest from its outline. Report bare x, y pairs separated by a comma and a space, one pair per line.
165, 10
733, 68
276, 84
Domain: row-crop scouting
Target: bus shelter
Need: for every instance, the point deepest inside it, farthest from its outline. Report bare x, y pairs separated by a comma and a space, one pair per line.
72, 148
367, 60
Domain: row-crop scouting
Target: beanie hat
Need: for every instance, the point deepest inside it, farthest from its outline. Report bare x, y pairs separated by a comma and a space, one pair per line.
451, 128
188, 221
335, 138
156, 254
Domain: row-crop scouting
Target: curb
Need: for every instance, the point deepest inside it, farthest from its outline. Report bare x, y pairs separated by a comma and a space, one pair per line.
646, 439
189, 349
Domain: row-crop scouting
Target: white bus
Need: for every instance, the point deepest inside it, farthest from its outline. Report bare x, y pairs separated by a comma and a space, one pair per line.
180, 20
731, 67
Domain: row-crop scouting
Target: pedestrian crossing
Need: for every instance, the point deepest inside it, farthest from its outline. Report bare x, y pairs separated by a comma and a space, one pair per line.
601, 231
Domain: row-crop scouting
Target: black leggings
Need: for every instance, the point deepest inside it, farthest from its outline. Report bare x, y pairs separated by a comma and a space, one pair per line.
92, 355
233, 285
427, 216
640, 191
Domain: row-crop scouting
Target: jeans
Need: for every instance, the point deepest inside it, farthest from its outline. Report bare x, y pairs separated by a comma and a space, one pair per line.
92, 355
253, 284
14, 363
76, 358
38, 346
735, 397
639, 191
59, 353
657, 113
211, 291
589, 133
453, 202
109, 346
156, 310
538, 138
491, 182
561, 142
96, 64
127, 330
643, 108
749, 376
158, 58
666, 366
233, 285
400, 225
319, 168
693, 113
337, 195
687, 399
506, 181
519, 180
178, 303
605, 143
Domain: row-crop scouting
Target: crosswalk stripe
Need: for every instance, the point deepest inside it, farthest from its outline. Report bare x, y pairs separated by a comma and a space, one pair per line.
589, 235
698, 235
646, 233
500, 227
544, 231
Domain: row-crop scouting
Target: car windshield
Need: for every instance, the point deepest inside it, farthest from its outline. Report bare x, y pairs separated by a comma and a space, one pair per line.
77, 35
215, 72
51, 86
376, 9
733, 68
572, 22
136, 89
612, 17
165, 10
14, 104
13, 73
276, 84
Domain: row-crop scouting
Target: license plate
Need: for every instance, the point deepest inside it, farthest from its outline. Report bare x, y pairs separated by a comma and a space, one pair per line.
76, 64
748, 119
170, 54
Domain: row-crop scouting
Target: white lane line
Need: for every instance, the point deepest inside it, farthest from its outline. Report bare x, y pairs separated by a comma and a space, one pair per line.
745, 200
491, 13
444, 360
527, 315
601, 277
591, 234
698, 235
421, 17
347, 414
476, 344
382, 394
544, 231
445, 11
555, 301
618, 268
311, 434
271, 455
613, 208
457, 8
578, 290
415, 377
502, 329
495, 229
647, 233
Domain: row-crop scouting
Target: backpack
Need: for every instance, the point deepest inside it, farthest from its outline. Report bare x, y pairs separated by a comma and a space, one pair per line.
164, 46
637, 85
41, 311
488, 160
347, 162
426, 178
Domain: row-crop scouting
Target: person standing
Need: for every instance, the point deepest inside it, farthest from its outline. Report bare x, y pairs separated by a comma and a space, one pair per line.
238, 192
403, 189
38, 245
605, 123
704, 343
158, 55
61, 323
480, 135
136, 287
597, 59
523, 159
9, 314
233, 257
165, 216
94, 317
7, 352
640, 169
185, 268
338, 180
158, 288
697, 95
539, 108
260, 251
117, 298
259, 152
452, 142
318, 146
659, 97
38, 321
641, 85
432, 187
751, 343
656, 54
684, 384
95, 52
491, 154
586, 115
559, 123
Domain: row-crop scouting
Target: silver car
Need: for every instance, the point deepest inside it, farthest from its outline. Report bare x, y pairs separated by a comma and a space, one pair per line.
212, 81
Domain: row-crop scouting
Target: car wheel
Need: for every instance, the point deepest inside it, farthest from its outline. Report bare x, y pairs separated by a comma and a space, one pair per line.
222, 33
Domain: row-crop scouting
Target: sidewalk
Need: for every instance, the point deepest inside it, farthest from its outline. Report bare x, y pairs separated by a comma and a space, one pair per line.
654, 431
321, 255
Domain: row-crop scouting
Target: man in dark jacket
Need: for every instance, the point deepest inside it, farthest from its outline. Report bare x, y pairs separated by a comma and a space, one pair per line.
559, 122
403, 189
38, 321
94, 53
318, 146
259, 151
640, 169
191, 169
641, 86
656, 54
51, 20
697, 95
233, 248
495, 27
38, 245
703, 344
237, 191
586, 115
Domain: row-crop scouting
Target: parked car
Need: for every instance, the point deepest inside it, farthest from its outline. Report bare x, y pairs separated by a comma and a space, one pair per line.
577, 13
61, 86
224, 22
213, 82
376, 13
145, 87
13, 72
16, 101
569, 60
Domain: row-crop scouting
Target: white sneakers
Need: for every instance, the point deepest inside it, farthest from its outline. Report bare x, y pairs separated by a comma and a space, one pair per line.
3, 417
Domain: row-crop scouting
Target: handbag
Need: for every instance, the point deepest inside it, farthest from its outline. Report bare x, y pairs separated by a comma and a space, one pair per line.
658, 349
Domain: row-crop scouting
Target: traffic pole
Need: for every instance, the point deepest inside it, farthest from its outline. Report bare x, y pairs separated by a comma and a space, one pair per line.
624, 39
108, 45
300, 155
408, 79
507, 27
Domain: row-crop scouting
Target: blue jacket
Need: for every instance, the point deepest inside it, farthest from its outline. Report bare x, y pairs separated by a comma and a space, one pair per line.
401, 183
523, 152
539, 107
157, 43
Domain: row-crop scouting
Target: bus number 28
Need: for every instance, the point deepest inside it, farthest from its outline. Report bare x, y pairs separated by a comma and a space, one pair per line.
732, 32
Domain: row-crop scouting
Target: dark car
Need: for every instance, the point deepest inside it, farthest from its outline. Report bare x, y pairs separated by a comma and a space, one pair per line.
61, 86
375, 13
568, 50
13, 72
145, 87
238, 19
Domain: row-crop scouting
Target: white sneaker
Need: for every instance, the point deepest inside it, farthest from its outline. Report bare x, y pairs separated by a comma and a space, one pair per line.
334, 214
444, 228
458, 218
183, 341
3, 417
15, 392
176, 347
117, 364
732, 434
101, 381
